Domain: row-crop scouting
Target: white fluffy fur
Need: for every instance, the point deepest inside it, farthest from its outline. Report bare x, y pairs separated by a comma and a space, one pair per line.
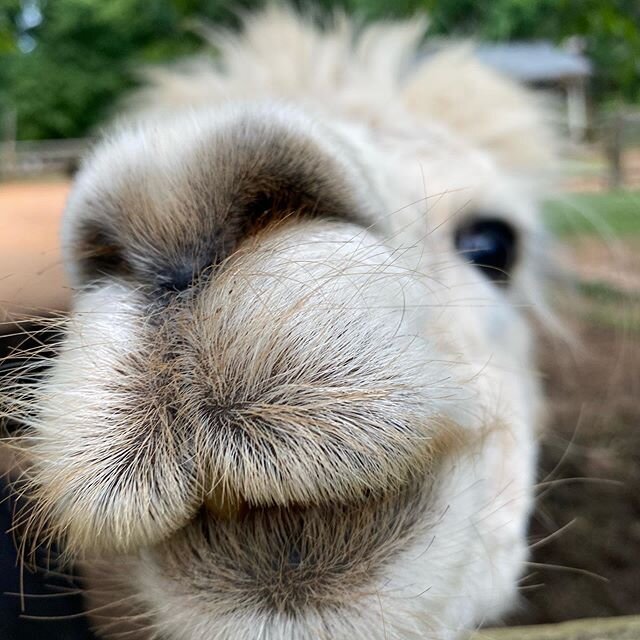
385, 362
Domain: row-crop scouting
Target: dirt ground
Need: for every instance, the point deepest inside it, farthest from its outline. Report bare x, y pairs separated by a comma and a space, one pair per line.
615, 263
585, 533
31, 275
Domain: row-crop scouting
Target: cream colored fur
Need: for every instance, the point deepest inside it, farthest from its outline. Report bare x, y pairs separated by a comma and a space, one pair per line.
331, 434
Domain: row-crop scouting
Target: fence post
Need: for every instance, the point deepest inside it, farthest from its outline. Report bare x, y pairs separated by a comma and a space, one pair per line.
613, 148
8, 142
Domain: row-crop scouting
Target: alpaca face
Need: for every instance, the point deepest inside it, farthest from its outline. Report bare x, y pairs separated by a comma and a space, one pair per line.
296, 396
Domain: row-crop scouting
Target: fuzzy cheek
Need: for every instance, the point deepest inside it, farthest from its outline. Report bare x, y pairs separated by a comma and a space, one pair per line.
105, 474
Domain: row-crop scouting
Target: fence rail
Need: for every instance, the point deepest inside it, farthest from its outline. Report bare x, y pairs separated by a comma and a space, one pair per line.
621, 628
618, 142
24, 159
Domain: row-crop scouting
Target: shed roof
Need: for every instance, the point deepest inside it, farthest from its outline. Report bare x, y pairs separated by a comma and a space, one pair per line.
534, 61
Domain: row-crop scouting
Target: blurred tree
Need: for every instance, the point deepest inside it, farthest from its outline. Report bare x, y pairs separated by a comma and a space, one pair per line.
64, 63
79, 57
9, 9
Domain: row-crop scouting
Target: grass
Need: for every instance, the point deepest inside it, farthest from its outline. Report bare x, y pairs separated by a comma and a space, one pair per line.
605, 305
614, 213
607, 215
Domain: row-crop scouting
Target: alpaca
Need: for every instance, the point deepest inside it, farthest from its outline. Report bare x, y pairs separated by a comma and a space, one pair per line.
296, 396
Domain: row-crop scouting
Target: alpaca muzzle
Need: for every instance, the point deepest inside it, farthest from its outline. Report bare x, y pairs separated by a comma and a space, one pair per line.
293, 376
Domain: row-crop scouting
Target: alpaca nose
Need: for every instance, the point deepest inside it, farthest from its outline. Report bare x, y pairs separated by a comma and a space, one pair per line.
300, 364
180, 272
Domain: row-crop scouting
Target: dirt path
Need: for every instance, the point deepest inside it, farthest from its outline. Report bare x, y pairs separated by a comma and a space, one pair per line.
31, 276
586, 528
616, 263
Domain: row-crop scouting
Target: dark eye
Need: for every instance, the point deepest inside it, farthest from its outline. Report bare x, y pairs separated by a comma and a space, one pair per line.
490, 244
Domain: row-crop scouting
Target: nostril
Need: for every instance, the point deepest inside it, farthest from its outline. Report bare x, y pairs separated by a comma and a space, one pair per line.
177, 278
294, 558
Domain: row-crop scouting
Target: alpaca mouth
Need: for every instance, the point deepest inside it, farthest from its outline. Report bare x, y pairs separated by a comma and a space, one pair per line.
287, 558
225, 505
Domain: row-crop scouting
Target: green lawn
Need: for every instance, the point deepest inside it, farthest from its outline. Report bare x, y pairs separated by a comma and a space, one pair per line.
616, 213
608, 215
605, 305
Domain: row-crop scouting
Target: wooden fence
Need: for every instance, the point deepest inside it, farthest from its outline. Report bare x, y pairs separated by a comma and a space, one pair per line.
618, 164
621, 628
26, 159
620, 133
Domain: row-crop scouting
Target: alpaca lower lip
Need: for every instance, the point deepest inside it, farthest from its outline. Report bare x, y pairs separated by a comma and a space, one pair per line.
287, 558
301, 533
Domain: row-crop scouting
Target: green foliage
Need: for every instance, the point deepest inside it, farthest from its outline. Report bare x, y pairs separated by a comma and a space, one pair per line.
9, 10
85, 52
84, 58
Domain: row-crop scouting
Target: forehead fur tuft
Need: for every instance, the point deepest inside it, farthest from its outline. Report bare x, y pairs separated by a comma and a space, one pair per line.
372, 74
483, 107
